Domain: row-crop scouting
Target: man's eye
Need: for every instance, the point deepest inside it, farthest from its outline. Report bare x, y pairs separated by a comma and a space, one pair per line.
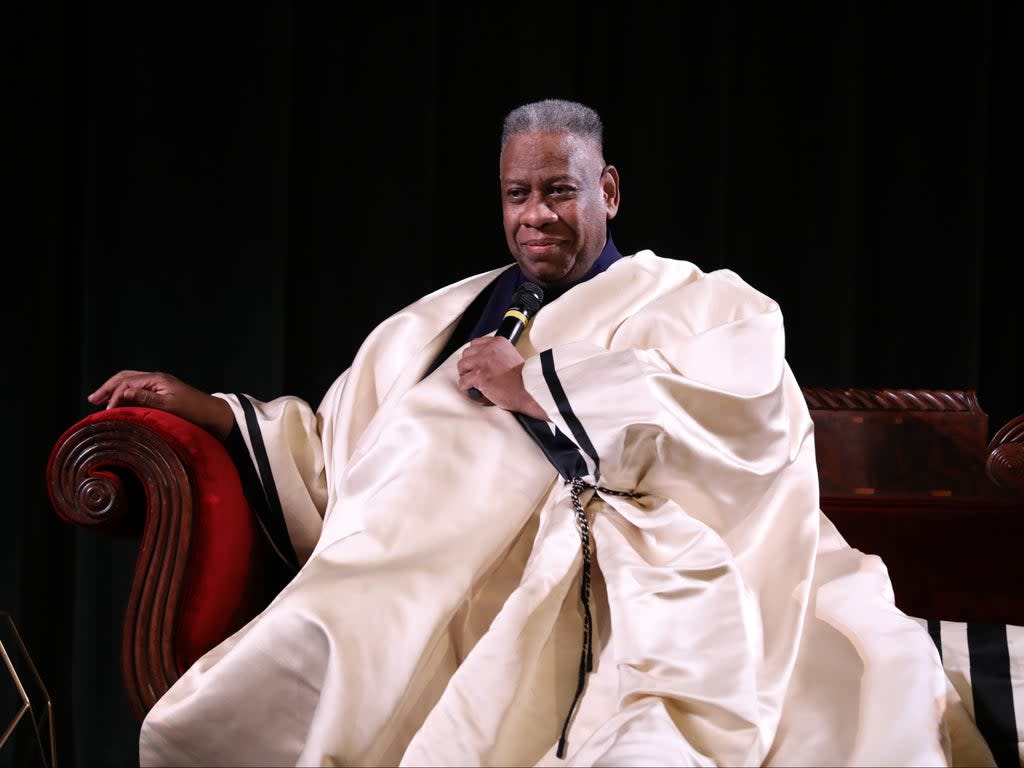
561, 190
515, 194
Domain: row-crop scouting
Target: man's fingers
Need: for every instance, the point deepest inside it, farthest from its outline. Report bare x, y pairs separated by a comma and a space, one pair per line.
128, 392
105, 392
117, 395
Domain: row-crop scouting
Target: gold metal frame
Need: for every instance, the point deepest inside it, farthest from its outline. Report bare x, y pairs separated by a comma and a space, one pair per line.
43, 718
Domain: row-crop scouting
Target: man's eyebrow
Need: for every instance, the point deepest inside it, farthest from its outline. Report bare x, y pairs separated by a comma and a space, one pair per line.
549, 180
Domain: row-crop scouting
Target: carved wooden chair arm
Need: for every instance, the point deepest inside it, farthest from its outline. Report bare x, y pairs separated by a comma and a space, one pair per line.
202, 565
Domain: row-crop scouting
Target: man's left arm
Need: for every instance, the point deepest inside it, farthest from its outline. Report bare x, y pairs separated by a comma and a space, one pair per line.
694, 414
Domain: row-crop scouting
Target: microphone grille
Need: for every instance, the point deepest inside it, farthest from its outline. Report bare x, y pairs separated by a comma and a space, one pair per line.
529, 297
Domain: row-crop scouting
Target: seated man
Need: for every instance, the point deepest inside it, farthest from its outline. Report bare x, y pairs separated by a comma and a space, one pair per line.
611, 554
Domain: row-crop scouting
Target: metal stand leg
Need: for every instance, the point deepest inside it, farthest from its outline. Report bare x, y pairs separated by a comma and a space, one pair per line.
33, 701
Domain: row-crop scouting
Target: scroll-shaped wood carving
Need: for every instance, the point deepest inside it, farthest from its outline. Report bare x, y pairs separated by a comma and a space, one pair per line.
104, 474
1005, 464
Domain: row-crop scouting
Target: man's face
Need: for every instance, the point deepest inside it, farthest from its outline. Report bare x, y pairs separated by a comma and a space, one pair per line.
556, 199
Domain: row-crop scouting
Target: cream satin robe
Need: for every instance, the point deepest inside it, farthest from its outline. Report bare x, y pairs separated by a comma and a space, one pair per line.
437, 617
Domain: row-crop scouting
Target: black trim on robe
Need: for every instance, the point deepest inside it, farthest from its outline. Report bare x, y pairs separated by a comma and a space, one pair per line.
262, 495
547, 366
560, 450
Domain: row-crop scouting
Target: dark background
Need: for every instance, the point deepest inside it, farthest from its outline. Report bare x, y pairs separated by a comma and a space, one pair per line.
236, 193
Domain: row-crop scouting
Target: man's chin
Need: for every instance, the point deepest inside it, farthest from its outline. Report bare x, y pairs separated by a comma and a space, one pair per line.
544, 277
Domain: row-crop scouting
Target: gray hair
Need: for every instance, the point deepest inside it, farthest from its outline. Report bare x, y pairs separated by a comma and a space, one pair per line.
554, 116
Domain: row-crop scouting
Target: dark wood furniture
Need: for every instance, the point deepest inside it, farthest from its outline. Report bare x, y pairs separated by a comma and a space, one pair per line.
910, 475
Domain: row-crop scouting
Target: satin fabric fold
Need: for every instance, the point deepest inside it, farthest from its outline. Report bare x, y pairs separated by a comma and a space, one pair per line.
436, 619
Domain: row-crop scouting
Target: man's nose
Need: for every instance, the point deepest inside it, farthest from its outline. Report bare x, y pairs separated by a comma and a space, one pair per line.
537, 212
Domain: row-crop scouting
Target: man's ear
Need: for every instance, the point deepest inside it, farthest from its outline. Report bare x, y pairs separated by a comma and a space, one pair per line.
610, 190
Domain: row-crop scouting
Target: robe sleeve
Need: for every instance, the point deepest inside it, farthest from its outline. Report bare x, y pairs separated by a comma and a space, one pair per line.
706, 391
283, 467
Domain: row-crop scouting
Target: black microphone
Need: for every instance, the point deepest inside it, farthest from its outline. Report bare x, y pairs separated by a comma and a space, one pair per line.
524, 306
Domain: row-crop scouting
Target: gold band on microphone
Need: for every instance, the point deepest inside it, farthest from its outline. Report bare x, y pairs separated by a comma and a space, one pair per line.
517, 315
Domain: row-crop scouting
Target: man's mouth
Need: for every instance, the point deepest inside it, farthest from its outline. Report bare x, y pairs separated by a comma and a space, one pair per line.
540, 245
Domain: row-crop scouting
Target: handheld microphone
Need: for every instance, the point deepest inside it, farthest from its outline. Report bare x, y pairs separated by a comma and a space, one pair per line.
524, 306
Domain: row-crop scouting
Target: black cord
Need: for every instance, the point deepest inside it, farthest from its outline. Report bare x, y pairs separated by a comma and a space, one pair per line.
587, 653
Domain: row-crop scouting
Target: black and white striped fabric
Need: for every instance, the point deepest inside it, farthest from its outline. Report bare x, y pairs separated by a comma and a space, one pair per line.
985, 663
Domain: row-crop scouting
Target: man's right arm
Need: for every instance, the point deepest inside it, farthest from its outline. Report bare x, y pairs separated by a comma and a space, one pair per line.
153, 389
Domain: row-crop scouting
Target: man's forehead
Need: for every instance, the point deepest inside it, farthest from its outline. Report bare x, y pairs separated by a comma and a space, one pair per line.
547, 156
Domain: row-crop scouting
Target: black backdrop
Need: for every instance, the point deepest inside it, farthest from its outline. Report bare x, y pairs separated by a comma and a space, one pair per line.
237, 193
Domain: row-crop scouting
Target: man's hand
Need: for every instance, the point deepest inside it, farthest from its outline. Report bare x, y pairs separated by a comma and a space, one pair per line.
494, 366
161, 390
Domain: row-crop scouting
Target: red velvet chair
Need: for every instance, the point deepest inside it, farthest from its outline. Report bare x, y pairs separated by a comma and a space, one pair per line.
910, 475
